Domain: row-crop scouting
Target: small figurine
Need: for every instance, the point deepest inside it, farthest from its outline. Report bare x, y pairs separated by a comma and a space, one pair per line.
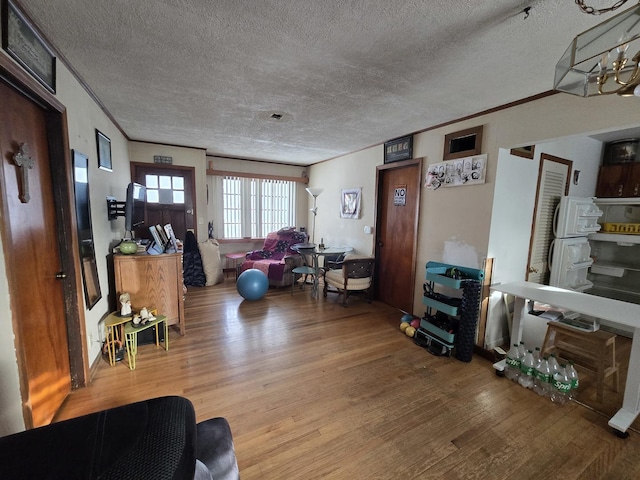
125, 302
146, 315
136, 319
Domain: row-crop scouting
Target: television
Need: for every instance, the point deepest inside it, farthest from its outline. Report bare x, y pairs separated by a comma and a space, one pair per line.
134, 206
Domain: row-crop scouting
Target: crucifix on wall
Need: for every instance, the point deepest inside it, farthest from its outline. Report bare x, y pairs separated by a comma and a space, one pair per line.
25, 162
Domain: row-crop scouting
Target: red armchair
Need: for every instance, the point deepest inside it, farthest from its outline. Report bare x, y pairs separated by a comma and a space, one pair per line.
276, 258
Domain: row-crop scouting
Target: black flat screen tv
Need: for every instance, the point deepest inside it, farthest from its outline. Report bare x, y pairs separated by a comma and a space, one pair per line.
134, 207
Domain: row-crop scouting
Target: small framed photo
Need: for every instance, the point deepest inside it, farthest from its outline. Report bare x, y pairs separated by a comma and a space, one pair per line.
23, 44
398, 149
104, 151
350, 203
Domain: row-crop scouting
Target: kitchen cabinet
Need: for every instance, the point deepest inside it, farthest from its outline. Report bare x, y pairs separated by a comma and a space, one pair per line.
153, 281
620, 180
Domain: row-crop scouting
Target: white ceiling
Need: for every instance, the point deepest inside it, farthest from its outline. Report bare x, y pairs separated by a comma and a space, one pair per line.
344, 74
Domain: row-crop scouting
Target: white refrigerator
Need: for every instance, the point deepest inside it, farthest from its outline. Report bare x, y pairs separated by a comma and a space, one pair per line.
570, 251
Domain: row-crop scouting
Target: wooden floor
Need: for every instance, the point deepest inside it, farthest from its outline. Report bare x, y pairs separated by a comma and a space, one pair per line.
313, 390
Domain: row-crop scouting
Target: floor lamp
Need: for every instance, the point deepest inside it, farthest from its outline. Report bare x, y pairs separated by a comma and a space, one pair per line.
314, 192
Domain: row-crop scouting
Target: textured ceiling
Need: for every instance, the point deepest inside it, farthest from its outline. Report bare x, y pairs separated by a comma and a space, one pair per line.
344, 75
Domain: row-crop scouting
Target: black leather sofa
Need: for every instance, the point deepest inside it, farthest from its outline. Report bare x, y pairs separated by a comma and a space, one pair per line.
154, 439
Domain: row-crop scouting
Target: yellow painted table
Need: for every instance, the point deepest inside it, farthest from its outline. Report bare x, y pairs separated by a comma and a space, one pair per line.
131, 337
113, 326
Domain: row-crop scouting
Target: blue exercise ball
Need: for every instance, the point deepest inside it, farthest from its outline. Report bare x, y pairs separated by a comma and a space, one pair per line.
252, 284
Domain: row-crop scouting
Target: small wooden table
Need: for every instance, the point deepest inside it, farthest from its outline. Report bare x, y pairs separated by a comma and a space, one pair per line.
131, 337
232, 261
616, 312
113, 326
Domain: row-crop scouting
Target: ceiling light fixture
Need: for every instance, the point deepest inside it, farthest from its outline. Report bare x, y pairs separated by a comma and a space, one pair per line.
597, 62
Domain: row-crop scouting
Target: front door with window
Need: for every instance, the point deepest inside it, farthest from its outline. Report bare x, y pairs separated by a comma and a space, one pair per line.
170, 197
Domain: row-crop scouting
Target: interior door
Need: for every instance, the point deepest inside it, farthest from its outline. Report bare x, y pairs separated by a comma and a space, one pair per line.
553, 183
170, 197
396, 232
33, 259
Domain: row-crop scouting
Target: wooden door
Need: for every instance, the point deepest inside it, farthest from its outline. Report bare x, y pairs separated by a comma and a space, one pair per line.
612, 180
632, 184
32, 257
398, 200
175, 201
553, 182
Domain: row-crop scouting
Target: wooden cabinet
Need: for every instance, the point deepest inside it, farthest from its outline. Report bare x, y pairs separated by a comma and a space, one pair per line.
621, 180
153, 281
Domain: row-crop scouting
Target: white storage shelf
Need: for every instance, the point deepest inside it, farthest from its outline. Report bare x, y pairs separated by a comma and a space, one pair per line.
616, 238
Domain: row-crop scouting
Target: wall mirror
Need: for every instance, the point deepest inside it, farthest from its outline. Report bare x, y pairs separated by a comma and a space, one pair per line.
92, 291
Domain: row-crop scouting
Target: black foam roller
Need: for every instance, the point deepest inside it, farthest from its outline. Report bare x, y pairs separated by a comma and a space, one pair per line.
469, 309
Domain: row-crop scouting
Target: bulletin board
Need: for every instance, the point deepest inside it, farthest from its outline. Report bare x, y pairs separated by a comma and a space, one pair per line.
457, 173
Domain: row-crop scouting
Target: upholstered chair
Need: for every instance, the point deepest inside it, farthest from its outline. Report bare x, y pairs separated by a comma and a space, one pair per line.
355, 275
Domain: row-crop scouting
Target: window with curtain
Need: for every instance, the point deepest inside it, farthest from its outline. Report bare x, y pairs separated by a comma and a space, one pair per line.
253, 207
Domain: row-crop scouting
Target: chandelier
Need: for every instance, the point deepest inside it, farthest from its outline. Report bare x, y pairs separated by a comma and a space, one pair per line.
599, 61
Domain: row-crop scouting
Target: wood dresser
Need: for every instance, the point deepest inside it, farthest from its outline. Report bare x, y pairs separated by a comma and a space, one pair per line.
153, 281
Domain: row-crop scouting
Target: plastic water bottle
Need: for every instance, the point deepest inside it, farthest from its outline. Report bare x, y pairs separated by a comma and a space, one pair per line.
553, 365
522, 349
561, 387
542, 381
526, 370
572, 374
512, 363
536, 355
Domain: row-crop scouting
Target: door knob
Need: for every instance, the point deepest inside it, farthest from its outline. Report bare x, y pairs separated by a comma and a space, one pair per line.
61, 275
533, 270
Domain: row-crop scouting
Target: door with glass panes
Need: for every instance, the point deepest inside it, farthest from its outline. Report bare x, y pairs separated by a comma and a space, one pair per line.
170, 197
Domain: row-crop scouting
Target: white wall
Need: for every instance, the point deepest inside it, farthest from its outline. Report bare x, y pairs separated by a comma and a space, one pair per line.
83, 118
357, 170
512, 214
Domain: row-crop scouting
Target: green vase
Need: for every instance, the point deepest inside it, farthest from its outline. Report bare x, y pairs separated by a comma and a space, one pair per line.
128, 247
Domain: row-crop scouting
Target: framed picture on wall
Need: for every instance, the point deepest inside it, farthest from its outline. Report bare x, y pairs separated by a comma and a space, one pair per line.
104, 151
21, 41
350, 203
398, 149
